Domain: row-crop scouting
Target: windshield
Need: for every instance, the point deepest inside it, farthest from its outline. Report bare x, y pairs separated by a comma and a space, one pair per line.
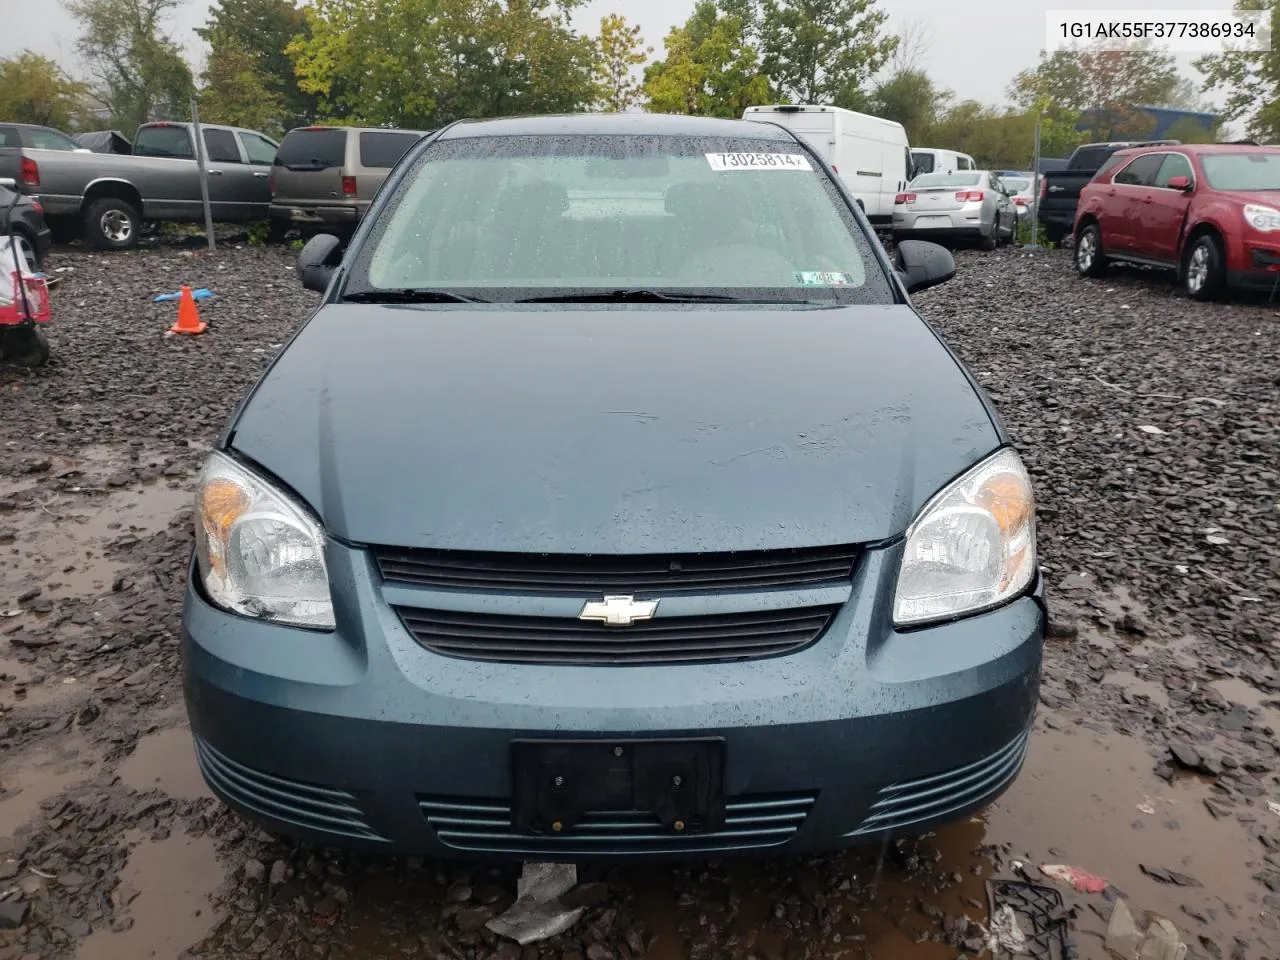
507, 218
1015, 184
946, 180
43, 139
1242, 171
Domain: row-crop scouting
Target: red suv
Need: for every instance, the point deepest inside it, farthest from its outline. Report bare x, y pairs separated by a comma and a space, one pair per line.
1209, 211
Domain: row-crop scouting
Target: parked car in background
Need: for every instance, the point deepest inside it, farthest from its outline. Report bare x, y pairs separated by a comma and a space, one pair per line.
935, 160
391, 640
947, 207
871, 155
1209, 211
31, 136
1060, 189
1021, 190
324, 178
105, 197
27, 224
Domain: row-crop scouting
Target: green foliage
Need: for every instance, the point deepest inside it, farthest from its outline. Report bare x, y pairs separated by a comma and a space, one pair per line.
710, 68
423, 63
33, 89
136, 71
1105, 88
235, 92
1024, 234
911, 98
622, 49
247, 40
1251, 81
1190, 130
259, 232
818, 51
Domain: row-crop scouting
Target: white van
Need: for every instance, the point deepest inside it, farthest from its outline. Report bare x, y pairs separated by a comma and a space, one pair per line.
871, 155
933, 160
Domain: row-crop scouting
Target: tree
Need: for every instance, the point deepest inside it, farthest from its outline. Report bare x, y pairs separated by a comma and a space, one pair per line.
912, 99
818, 51
137, 73
1107, 88
622, 49
423, 63
913, 46
710, 69
248, 38
235, 92
1250, 79
33, 89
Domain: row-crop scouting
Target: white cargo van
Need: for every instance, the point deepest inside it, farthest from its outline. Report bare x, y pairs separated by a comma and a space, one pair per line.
871, 155
933, 160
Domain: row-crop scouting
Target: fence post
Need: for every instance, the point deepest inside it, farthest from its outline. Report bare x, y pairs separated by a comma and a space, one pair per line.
202, 161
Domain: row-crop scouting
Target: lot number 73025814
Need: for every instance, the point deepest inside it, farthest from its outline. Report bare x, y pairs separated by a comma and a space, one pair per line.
758, 161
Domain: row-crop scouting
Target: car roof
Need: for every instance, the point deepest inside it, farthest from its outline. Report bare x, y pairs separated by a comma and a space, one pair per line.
31, 126
617, 124
1199, 148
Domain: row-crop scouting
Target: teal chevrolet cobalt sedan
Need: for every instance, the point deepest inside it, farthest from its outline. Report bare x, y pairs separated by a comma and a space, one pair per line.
614, 502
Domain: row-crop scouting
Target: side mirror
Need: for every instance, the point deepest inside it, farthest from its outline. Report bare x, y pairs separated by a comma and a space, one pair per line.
922, 264
318, 260
1180, 183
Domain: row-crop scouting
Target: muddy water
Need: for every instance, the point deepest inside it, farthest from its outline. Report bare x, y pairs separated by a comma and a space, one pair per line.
165, 761
39, 777
168, 887
1238, 690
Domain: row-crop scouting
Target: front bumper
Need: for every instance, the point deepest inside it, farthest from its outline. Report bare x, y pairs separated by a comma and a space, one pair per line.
363, 738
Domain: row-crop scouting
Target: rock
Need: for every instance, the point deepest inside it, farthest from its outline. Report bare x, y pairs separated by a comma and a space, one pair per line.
12, 913
1169, 876
1186, 755
598, 951
458, 893
280, 873
471, 919
254, 870
8, 869
76, 928
1123, 935
1162, 942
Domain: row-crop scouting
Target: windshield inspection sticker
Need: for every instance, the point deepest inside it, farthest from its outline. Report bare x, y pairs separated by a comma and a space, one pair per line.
813, 278
758, 161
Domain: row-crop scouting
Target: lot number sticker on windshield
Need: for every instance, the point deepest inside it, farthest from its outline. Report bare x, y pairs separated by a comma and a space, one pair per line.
758, 161
823, 278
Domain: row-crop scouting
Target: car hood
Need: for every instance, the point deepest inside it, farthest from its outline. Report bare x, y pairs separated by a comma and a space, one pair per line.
614, 430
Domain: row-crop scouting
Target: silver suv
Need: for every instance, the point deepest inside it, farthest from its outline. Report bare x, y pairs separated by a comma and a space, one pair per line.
323, 178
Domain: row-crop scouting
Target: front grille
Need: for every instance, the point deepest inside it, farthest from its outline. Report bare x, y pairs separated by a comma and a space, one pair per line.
559, 640
322, 809
484, 826
524, 573
947, 794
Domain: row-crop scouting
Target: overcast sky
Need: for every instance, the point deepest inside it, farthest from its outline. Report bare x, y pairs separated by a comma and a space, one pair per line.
974, 48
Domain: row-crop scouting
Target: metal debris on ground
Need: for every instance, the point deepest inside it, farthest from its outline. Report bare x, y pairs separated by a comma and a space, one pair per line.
537, 913
1040, 917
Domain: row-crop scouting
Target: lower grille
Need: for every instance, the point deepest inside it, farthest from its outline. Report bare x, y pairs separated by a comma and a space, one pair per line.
322, 809
484, 826
558, 640
911, 802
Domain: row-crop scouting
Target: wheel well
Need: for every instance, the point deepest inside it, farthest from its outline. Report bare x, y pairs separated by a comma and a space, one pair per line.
112, 188
1087, 220
1201, 230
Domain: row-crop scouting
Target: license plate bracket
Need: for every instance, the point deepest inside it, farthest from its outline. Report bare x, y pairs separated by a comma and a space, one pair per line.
555, 783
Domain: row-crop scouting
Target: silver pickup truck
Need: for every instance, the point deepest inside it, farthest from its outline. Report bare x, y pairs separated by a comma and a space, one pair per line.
105, 197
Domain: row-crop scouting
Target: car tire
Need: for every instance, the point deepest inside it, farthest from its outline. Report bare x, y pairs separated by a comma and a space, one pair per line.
992, 240
1090, 260
23, 346
1202, 268
112, 224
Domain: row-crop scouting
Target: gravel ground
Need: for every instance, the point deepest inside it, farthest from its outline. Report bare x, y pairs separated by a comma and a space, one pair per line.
1151, 426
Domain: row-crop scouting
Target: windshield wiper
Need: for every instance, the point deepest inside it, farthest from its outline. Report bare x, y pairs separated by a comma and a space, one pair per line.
409, 295
646, 296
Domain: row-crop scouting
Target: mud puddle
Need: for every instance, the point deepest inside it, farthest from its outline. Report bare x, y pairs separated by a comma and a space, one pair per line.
1237, 690
1136, 686
165, 761
167, 888
1084, 799
30, 780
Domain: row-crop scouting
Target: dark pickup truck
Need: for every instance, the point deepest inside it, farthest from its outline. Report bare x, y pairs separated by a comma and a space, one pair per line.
1060, 189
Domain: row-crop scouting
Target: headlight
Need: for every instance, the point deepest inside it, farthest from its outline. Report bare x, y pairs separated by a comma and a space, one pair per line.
1262, 218
972, 547
259, 553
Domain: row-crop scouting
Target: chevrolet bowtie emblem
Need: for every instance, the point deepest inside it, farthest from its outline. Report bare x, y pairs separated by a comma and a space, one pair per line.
618, 611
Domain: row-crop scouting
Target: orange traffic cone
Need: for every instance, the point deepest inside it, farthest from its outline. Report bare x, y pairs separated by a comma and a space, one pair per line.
188, 316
